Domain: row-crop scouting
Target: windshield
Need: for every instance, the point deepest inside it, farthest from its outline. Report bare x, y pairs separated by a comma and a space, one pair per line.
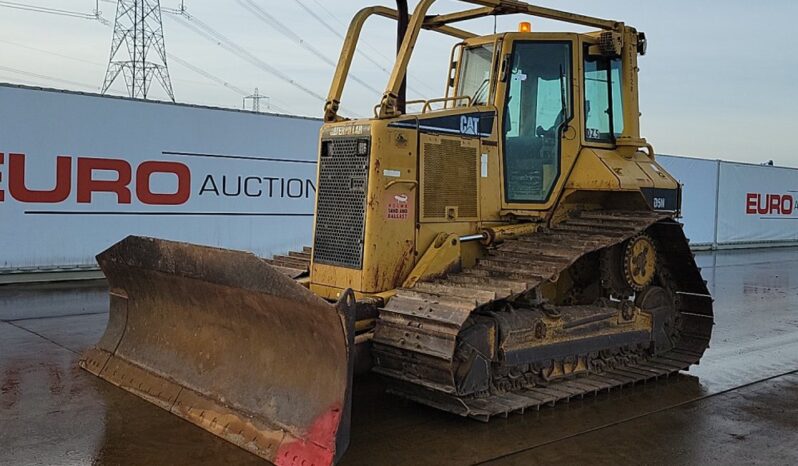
475, 71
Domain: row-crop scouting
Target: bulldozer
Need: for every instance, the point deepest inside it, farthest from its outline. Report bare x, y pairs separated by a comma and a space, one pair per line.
508, 246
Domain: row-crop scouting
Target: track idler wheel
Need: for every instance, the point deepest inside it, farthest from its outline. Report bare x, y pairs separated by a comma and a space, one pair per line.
659, 302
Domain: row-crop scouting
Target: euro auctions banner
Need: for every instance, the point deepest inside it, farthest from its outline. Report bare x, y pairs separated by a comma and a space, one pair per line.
80, 172
699, 180
757, 204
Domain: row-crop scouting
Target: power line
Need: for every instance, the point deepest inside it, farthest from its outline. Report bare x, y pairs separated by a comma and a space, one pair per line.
46, 77
192, 67
206, 31
358, 49
53, 11
332, 15
55, 54
279, 108
261, 14
220, 81
211, 34
195, 25
171, 58
207, 75
337, 33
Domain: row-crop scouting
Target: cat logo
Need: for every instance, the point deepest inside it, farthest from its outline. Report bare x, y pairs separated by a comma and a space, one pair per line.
469, 125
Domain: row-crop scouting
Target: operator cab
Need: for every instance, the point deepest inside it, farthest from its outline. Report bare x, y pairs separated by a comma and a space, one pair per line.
527, 79
500, 148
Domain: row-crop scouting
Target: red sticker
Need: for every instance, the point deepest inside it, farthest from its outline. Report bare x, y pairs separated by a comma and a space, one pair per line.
398, 206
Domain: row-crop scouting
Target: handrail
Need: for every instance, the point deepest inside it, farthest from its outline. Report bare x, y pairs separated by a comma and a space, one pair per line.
428, 102
455, 98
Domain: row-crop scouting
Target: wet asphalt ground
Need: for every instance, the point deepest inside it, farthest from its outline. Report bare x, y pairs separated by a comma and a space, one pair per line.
740, 406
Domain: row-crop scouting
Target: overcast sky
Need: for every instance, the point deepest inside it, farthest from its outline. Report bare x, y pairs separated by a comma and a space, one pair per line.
718, 81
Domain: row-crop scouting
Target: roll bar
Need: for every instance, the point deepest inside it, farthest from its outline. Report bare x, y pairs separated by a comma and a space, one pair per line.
391, 103
348, 51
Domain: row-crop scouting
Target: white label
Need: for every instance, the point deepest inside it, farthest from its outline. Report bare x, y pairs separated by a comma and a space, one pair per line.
484, 160
592, 133
392, 173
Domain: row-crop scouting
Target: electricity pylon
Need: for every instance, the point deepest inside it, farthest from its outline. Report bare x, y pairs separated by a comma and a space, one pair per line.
255, 98
138, 52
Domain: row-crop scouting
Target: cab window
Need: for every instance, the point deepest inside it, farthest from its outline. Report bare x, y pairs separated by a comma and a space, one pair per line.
537, 109
475, 71
603, 99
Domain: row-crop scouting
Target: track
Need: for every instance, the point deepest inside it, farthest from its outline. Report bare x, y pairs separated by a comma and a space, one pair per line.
686, 419
416, 339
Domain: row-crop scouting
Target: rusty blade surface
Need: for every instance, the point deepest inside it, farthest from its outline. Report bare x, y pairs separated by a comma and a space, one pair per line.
229, 343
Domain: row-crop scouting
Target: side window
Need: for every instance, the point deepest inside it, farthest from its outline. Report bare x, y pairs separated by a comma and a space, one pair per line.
603, 99
537, 108
617, 97
475, 73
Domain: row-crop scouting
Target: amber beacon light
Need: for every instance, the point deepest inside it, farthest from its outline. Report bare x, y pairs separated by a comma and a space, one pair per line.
524, 26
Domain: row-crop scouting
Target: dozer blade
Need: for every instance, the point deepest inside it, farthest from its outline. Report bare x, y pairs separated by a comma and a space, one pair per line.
227, 342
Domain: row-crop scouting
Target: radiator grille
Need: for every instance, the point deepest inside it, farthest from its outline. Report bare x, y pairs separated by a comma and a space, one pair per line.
341, 205
450, 178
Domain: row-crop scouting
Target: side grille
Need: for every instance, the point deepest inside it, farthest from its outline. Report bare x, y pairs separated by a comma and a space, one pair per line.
341, 205
450, 170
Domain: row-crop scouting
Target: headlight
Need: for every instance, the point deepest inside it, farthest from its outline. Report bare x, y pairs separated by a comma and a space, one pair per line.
326, 149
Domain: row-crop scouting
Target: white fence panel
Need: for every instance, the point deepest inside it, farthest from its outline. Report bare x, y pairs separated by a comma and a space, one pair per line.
699, 178
757, 204
80, 172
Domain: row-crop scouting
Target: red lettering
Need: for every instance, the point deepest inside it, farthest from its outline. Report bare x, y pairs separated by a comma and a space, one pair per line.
787, 203
88, 185
144, 192
19, 191
751, 201
762, 204
2, 193
769, 204
774, 201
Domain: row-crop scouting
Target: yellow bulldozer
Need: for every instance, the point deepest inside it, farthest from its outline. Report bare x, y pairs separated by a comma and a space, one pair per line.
504, 247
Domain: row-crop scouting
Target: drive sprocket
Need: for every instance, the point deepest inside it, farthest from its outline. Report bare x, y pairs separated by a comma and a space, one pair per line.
629, 267
639, 262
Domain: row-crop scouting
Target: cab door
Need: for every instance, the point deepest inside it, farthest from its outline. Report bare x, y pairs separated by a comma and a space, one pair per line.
538, 129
